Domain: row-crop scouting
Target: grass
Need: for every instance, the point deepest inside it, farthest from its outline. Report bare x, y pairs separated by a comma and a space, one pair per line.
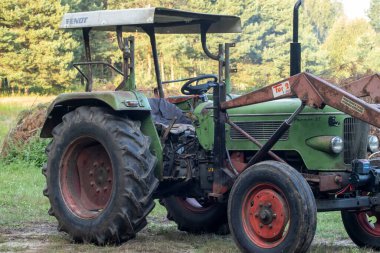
26, 226
21, 195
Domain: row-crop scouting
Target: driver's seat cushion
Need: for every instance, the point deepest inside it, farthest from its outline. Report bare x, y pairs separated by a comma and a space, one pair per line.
163, 112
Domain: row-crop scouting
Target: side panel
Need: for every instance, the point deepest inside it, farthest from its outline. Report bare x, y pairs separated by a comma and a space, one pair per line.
310, 123
134, 104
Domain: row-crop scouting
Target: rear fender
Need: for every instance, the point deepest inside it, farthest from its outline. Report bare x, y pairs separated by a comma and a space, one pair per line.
134, 104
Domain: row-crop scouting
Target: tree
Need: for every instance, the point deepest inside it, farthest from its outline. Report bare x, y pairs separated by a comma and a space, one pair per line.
351, 47
322, 15
35, 54
374, 14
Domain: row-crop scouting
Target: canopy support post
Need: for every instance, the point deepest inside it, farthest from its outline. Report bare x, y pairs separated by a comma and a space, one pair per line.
86, 38
152, 35
204, 28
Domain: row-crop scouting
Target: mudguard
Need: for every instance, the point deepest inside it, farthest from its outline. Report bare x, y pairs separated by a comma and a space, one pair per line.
135, 104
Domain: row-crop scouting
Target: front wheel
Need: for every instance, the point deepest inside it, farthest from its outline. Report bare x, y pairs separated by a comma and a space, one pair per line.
363, 227
271, 208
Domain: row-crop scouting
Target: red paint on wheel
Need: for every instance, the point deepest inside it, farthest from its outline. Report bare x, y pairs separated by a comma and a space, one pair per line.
86, 178
370, 222
265, 215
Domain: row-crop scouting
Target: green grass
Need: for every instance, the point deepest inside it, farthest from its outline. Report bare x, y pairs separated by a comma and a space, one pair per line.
21, 195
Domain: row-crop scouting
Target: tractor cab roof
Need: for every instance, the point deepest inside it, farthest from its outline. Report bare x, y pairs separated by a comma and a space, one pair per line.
166, 21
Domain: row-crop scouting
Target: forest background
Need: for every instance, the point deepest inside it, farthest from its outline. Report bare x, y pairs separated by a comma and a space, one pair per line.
36, 56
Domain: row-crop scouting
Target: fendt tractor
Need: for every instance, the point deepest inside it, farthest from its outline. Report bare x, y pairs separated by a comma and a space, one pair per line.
259, 165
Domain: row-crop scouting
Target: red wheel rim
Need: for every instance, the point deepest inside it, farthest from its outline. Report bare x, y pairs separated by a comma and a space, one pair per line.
370, 222
86, 178
194, 205
265, 215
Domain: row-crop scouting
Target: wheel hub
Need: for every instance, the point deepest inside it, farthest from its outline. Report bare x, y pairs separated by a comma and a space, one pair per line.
86, 178
100, 174
267, 216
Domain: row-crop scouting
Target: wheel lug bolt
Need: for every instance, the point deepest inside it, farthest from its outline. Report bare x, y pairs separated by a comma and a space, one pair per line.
109, 180
256, 215
252, 203
105, 188
261, 225
108, 169
97, 190
269, 205
95, 164
270, 225
92, 183
261, 204
91, 172
274, 216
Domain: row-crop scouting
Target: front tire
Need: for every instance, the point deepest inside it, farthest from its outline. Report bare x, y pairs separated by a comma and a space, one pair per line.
363, 228
271, 208
100, 176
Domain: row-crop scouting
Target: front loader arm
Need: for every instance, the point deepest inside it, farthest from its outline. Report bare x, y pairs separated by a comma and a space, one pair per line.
314, 92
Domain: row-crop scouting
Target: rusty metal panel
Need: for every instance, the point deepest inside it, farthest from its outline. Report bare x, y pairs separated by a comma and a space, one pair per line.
365, 87
345, 102
275, 91
314, 92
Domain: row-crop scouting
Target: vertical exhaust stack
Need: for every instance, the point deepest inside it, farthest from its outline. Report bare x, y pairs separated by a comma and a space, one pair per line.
295, 47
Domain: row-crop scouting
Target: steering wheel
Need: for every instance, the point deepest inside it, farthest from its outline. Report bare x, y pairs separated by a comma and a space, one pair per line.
199, 89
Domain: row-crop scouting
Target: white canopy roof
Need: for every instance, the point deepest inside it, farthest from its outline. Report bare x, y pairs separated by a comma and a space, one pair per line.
164, 20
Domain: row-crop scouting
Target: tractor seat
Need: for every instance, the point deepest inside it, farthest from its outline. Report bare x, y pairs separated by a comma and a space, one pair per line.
164, 112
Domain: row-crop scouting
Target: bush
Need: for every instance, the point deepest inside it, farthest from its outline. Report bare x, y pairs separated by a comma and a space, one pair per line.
32, 152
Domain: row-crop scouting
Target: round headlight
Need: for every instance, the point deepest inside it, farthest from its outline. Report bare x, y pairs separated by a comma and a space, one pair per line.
373, 143
336, 144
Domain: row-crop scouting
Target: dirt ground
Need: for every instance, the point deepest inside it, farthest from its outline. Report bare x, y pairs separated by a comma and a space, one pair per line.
159, 236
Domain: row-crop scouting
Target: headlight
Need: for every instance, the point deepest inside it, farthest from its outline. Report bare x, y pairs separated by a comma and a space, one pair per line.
336, 144
373, 143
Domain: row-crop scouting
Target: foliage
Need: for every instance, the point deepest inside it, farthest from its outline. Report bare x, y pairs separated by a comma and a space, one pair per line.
31, 152
374, 14
351, 47
36, 54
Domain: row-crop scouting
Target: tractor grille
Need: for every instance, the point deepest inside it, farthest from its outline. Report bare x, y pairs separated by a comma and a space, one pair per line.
355, 139
262, 130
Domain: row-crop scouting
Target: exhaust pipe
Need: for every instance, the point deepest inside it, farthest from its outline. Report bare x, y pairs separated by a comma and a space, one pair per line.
295, 47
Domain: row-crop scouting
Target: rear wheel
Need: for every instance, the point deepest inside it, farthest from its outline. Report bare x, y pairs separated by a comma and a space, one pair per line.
363, 227
271, 208
197, 215
100, 176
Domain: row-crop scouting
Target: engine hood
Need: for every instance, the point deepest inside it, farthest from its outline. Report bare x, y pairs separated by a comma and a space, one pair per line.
282, 106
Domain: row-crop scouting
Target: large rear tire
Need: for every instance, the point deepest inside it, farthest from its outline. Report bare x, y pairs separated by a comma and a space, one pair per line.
272, 209
197, 216
100, 176
363, 228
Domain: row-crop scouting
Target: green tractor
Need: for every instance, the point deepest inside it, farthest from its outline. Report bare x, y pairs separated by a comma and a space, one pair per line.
218, 162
